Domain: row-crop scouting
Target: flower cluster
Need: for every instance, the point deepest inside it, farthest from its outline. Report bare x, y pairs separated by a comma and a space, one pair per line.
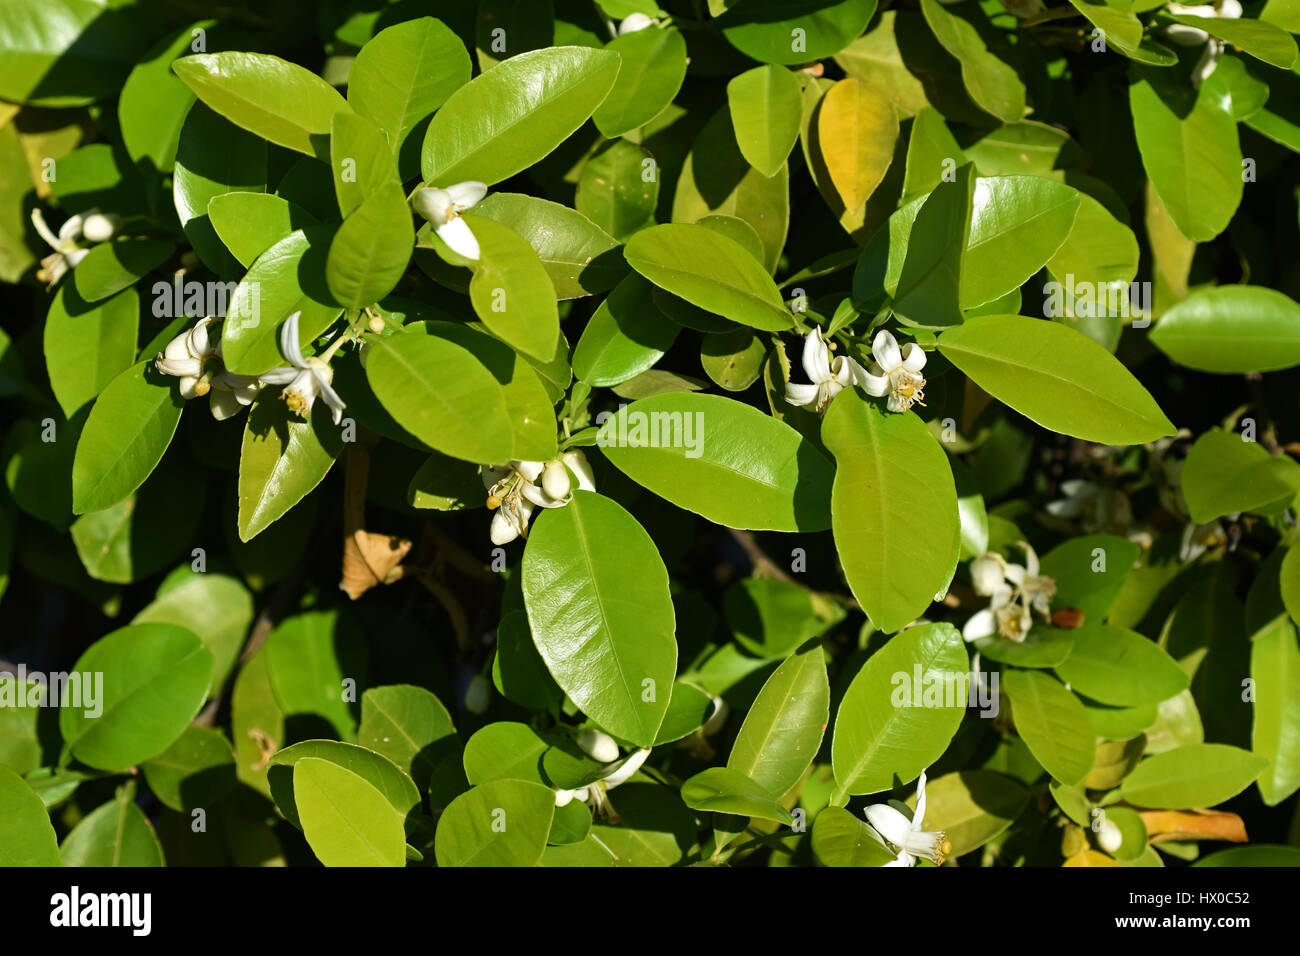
905, 838
1014, 591
515, 488
894, 371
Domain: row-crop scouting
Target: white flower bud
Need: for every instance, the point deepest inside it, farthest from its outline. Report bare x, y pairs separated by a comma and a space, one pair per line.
1108, 836
101, 227
598, 745
555, 480
634, 22
986, 573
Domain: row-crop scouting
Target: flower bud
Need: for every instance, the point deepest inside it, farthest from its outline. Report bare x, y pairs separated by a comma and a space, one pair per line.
101, 227
986, 574
1108, 836
555, 480
634, 22
477, 694
598, 745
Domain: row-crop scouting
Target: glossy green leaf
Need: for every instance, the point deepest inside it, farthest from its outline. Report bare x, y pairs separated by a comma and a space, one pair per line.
723, 460
110, 267
393, 784
766, 29
901, 710
155, 678
88, 345
115, 834
498, 823
724, 790
195, 771
1224, 474
273, 98
1120, 667
312, 659
508, 118
1275, 735
597, 597
1057, 377
124, 438
346, 821
442, 394
282, 458
26, 835
408, 725
216, 607
652, 67
361, 163
369, 253
1200, 775
251, 223
841, 839
511, 291
1232, 329
1090, 572
1260, 39
972, 807
765, 110
626, 335
783, 729
992, 84
893, 509
1052, 723
619, 188
711, 271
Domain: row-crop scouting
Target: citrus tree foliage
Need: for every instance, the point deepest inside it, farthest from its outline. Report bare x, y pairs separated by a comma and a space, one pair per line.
649, 432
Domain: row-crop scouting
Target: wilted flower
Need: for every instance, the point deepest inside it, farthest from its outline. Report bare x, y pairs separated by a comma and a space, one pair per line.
306, 377
905, 837
514, 489
895, 371
828, 376
442, 207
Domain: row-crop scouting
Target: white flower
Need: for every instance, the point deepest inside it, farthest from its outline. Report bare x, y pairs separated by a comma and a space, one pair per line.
906, 837
442, 207
195, 358
1014, 591
100, 227
67, 254
896, 372
1199, 538
594, 793
1185, 35
515, 488
634, 22
829, 376
1109, 837
306, 377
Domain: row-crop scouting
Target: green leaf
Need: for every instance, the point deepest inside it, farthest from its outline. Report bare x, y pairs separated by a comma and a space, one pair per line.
440, 393
763, 29
619, 188
992, 84
626, 335
1056, 376
765, 111
733, 360
508, 118
1190, 151
972, 807
1231, 330
397, 789
288, 277
273, 98
129, 428
1192, 777
1275, 736
893, 509
26, 835
1260, 39
723, 460
153, 104
783, 729
1090, 572
770, 617
711, 271
1289, 582
724, 790
1224, 474
115, 834
928, 293
110, 267
1257, 855
370, 251
309, 658
151, 680
360, 162
1120, 667
505, 750
251, 223
578, 255
195, 771
216, 607
511, 291
282, 458
841, 839
401, 75
498, 823
87, 346
346, 821
213, 158
652, 67
901, 710
409, 726
1053, 724
596, 593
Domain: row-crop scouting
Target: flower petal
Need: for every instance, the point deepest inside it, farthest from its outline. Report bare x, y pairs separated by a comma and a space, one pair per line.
913, 357
468, 193
816, 357
289, 347
884, 349
460, 238
797, 394
981, 624
278, 376
223, 404
889, 823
